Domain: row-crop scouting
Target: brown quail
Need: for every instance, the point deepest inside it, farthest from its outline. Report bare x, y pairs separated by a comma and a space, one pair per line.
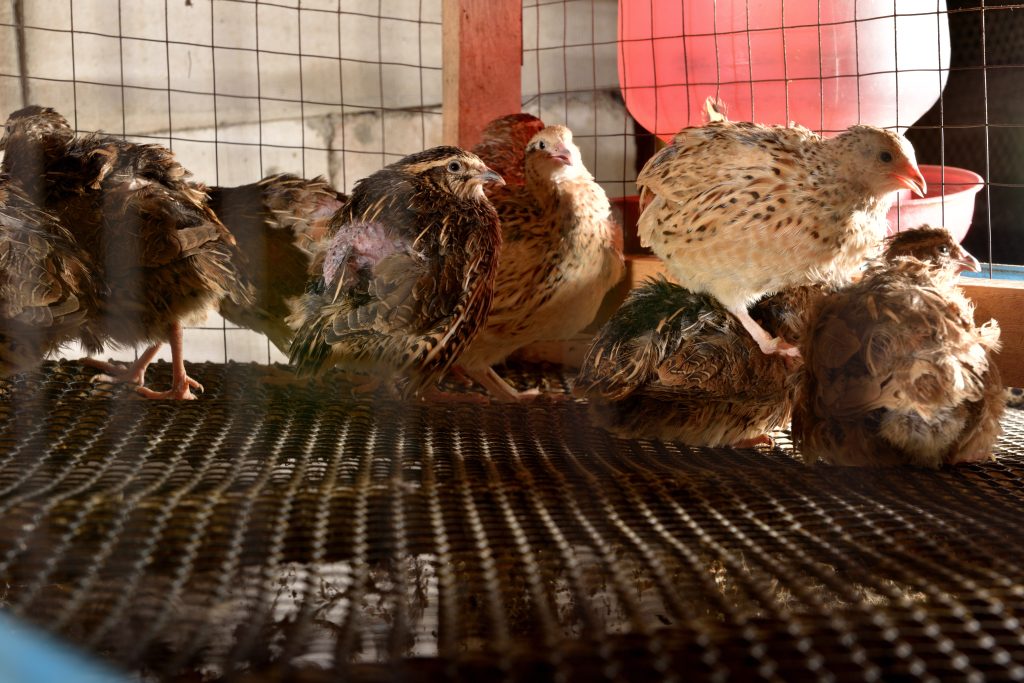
404, 281
561, 253
157, 256
276, 222
896, 371
674, 365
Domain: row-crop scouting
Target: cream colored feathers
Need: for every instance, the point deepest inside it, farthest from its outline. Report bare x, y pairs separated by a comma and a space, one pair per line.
561, 253
739, 210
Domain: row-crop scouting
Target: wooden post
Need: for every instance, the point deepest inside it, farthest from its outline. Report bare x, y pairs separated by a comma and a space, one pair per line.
482, 59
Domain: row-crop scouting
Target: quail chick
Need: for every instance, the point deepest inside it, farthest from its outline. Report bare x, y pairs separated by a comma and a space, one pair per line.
896, 371
674, 365
157, 256
738, 210
404, 282
46, 289
561, 253
503, 143
276, 222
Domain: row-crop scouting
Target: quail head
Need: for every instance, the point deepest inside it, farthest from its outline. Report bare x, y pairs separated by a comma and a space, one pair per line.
503, 143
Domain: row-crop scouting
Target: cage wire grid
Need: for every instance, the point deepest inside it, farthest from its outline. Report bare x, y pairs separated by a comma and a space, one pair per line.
277, 531
238, 90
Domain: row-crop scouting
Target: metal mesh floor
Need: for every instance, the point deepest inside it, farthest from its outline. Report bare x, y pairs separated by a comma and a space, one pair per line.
277, 531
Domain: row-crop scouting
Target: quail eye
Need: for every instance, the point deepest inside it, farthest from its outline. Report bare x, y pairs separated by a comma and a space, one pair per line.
885, 157
944, 250
454, 166
541, 144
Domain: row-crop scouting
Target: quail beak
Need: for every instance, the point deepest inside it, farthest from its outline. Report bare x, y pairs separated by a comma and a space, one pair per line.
561, 153
911, 179
489, 177
967, 263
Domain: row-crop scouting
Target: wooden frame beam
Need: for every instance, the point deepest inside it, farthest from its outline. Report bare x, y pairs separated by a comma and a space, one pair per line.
482, 59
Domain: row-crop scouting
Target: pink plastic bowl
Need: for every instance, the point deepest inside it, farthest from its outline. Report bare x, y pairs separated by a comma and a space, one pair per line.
949, 202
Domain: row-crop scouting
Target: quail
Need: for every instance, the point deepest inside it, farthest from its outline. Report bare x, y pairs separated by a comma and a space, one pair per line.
896, 371
403, 282
674, 365
157, 256
561, 253
276, 221
739, 210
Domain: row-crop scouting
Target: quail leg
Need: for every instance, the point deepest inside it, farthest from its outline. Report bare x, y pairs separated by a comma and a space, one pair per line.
181, 383
366, 387
114, 373
499, 388
767, 343
982, 456
438, 395
457, 375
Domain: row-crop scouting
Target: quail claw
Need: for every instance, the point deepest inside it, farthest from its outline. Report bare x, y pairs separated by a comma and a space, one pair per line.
780, 346
181, 393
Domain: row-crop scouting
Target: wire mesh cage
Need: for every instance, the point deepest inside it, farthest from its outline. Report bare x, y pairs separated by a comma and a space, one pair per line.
241, 90
283, 530
976, 122
238, 90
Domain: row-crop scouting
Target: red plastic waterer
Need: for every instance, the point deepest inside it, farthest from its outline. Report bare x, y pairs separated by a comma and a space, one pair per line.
824, 65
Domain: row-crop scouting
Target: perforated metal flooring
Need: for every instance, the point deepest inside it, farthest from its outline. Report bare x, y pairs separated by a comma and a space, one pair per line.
275, 531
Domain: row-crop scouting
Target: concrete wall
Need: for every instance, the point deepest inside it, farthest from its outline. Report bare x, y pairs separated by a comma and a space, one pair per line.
241, 90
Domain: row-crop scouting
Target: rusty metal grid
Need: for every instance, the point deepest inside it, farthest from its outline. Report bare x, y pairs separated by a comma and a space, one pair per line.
275, 531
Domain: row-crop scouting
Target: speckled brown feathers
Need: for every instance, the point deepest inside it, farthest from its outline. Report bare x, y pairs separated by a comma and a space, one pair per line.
404, 283
674, 365
561, 253
503, 143
34, 139
276, 222
157, 255
739, 210
45, 286
896, 370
